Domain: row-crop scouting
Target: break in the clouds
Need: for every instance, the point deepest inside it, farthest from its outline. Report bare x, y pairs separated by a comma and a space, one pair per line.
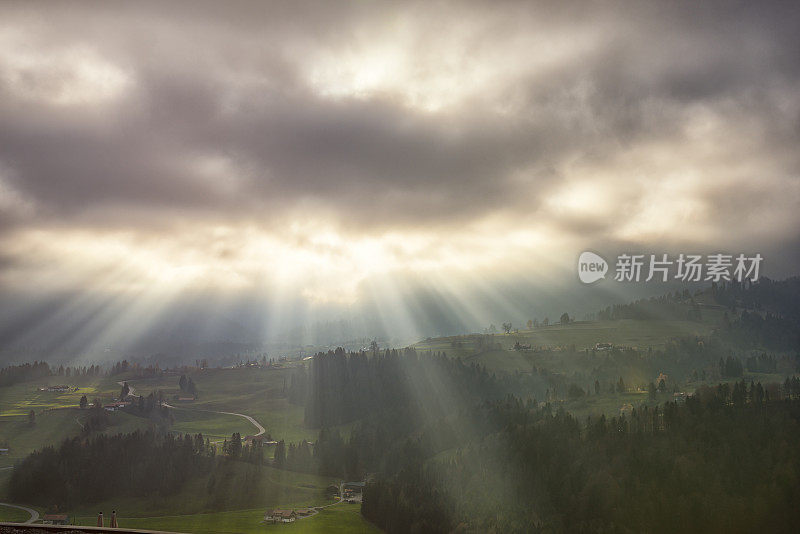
313, 145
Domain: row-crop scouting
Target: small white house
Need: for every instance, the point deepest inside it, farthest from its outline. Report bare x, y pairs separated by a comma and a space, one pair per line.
280, 516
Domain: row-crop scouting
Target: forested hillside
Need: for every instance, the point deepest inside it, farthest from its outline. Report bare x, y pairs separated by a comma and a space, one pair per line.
725, 461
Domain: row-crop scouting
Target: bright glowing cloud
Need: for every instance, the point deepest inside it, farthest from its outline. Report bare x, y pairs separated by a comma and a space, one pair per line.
325, 156
75, 75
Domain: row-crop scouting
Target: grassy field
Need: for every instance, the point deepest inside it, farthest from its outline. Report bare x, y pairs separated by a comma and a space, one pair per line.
342, 518
51, 428
57, 414
272, 488
500, 355
13, 515
215, 426
19, 399
256, 392
253, 391
582, 334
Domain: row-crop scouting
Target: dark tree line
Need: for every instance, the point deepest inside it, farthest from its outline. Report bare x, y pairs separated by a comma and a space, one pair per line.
730, 367
86, 470
676, 306
14, 374
757, 330
763, 363
344, 387
780, 297
770, 316
727, 460
82, 471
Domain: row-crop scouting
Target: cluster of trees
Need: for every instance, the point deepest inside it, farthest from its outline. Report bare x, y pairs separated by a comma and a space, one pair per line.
791, 387
730, 367
92, 370
770, 316
753, 329
237, 449
14, 374
411, 387
82, 471
781, 297
298, 387
187, 385
300, 457
526, 467
763, 363
85, 470
96, 419
675, 468
344, 387
676, 306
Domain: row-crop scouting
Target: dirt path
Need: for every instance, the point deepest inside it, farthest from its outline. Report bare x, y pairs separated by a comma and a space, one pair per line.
260, 428
34, 513
317, 509
258, 425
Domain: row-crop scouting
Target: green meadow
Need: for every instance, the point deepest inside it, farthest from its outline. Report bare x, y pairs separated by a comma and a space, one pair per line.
582, 334
261, 394
52, 427
256, 392
13, 515
341, 518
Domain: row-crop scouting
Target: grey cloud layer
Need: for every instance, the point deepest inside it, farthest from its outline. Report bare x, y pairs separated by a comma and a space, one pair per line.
219, 119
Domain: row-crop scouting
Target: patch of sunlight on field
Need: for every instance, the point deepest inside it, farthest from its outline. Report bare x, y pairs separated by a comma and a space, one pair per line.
341, 518
19, 399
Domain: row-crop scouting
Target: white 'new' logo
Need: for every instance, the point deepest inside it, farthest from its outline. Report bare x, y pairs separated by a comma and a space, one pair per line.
591, 267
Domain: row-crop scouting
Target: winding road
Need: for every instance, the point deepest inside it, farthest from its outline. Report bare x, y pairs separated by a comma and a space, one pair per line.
259, 426
34, 513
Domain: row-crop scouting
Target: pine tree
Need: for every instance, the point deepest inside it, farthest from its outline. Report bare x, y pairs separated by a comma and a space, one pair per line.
280, 454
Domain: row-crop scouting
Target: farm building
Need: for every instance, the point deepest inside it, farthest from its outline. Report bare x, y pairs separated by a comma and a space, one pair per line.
55, 519
58, 389
280, 516
114, 406
264, 440
680, 397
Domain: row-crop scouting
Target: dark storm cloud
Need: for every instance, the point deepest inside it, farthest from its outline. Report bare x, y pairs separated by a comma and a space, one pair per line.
217, 116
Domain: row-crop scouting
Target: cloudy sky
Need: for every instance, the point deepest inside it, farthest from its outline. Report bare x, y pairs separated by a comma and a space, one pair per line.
324, 152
